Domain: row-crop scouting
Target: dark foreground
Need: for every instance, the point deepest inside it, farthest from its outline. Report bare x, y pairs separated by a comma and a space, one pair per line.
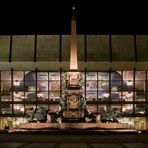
59, 136
73, 138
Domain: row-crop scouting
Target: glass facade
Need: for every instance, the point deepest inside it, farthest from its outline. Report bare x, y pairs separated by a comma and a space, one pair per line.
124, 91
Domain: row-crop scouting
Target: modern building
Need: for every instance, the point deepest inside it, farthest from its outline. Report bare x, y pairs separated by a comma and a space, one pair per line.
113, 68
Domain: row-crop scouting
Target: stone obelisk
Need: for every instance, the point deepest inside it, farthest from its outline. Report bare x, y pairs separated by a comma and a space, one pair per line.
73, 44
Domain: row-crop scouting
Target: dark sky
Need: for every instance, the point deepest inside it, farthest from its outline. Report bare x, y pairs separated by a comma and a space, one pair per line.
54, 16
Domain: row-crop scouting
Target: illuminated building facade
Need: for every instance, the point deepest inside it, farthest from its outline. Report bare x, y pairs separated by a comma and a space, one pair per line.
113, 70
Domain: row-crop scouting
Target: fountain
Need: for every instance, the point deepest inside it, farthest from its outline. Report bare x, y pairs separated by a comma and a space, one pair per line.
73, 112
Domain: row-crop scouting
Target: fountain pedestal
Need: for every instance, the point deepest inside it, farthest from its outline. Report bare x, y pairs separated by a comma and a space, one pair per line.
73, 95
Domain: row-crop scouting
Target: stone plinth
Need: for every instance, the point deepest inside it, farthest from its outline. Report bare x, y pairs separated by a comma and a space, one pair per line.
73, 125
39, 125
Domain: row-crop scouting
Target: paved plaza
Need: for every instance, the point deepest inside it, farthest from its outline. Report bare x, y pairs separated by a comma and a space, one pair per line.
71, 145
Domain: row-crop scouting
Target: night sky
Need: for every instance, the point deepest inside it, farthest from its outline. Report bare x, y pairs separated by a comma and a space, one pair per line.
54, 16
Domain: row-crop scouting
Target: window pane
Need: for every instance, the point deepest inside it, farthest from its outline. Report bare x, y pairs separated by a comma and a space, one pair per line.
6, 86
6, 108
140, 75
18, 79
115, 96
127, 96
127, 109
139, 90
103, 75
92, 108
116, 81
6, 75
18, 96
18, 108
128, 82
140, 108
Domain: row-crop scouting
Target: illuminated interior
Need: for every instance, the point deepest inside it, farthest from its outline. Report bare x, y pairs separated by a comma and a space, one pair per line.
23, 90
